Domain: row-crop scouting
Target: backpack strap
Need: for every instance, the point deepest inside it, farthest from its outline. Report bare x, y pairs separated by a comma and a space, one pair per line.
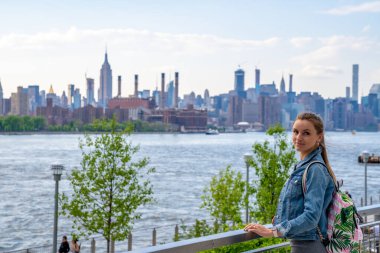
305, 175
323, 240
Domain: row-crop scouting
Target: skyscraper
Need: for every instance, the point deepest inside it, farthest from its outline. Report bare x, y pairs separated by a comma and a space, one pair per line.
77, 99
19, 102
355, 82
90, 91
282, 86
105, 89
176, 89
348, 93
290, 82
70, 96
64, 100
257, 81
170, 94
33, 98
162, 94
239, 82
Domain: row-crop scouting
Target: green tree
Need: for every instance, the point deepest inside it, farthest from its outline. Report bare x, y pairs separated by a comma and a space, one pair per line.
39, 123
12, 123
224, 199
108, 187
271, 162
27, 123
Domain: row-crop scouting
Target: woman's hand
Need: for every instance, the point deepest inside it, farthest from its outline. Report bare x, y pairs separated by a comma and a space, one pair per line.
259, 229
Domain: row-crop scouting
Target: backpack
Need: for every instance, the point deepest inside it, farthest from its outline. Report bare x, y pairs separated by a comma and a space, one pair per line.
343, 231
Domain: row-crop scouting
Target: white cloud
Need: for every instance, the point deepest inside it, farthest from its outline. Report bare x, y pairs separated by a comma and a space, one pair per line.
366, 28
320, 71
132, 40
331, 48
360, 8
300, 41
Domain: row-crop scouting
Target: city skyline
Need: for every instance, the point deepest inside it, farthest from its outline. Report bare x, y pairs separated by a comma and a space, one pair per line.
205, 41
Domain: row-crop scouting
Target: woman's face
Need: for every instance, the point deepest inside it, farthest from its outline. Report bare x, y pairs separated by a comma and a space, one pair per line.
305, 137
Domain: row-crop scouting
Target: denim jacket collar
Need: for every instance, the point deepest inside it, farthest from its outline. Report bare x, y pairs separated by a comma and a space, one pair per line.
309, 157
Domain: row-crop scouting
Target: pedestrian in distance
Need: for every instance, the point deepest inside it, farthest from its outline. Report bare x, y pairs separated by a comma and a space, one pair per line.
301, 216
64, 247
74, 246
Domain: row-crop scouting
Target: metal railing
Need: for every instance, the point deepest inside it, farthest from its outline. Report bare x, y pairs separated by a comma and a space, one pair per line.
228, 238
370, 242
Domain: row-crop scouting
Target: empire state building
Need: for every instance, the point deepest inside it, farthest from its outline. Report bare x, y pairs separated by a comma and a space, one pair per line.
105, 89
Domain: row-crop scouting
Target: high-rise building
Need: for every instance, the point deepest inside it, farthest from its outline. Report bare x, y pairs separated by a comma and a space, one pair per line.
77, 99
257, 81
145, 94
170, 95
269, 110
54, 98
19, 102
339, 113
234, 114
43, 97
206, 97
156, 96
64, 100
33, 98
355, 82
176, 89
290, 82
282, 86
90, 91
239, 83
348, 93
162, 94
70, 95
105, 89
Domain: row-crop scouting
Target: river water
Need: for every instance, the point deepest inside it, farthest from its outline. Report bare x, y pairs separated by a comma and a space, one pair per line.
185, 164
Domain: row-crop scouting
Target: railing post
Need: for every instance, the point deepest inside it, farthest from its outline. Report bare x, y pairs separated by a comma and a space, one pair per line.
130, 242
176, 236
370, 200
112, 246
154, 237
361, 201
93, 245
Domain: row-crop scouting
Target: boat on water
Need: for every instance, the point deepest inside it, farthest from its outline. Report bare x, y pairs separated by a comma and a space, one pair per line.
212, 131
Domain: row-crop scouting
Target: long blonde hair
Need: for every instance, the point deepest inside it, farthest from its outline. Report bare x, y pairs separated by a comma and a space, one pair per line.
318, 125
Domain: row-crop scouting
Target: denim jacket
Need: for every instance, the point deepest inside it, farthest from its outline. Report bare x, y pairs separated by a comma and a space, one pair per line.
298, 216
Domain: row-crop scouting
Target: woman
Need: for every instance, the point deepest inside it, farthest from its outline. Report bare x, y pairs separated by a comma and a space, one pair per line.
301, 217
75, 247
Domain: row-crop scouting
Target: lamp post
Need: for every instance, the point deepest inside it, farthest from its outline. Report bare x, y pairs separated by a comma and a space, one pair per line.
365, 155
57, 172
247, 159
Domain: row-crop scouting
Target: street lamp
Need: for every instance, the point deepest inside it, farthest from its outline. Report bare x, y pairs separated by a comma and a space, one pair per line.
247, 159
365, 156
57, 172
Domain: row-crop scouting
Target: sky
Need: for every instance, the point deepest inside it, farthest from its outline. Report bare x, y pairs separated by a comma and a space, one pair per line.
61, 42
